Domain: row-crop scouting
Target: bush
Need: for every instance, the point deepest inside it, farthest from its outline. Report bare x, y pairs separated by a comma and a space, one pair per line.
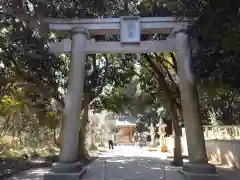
9, 151
93, 147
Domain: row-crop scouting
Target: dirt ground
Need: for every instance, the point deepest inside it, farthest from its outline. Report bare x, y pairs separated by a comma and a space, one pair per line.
12, 165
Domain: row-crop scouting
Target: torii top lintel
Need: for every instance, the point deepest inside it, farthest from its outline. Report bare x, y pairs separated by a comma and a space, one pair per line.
103, 26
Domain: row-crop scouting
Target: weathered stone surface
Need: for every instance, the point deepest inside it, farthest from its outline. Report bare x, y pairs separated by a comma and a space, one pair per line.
65, 176
224, 152
197, 176
200, 171
199, 168
69, 146
189, 99
67, 167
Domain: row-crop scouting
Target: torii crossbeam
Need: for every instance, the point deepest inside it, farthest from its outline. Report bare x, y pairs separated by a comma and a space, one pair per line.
130, 30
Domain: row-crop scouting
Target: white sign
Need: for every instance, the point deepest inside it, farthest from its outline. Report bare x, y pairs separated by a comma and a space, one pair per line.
130, 29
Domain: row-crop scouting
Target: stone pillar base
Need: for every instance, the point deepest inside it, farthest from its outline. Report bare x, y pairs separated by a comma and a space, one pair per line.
200, 172
65, 171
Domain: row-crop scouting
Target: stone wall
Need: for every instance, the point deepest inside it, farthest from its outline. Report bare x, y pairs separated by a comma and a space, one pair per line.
224, 152
220, 152
170, 144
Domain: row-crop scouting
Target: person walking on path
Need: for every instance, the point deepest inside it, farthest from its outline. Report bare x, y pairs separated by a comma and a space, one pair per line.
110, 144
149, 139
136, 139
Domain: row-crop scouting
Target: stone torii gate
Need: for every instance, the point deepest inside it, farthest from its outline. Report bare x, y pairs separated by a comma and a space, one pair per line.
130, 30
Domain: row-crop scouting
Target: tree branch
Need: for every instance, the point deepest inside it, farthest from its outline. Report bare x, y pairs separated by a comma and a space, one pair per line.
174, 62
161, 80
36, 85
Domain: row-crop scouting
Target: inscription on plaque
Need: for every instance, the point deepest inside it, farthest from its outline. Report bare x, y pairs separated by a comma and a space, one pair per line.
130, 30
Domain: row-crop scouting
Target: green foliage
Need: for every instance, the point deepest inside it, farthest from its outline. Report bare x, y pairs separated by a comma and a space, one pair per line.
7, 101
33, 81
30, 68
29, 152
216, 26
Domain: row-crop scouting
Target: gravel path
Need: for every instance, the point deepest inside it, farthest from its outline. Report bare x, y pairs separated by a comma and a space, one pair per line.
131, 164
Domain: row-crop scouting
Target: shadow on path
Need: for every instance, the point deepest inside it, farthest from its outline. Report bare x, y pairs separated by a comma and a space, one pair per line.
132, 168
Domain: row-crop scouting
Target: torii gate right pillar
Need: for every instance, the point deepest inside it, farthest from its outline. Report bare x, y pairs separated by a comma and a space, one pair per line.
198, 161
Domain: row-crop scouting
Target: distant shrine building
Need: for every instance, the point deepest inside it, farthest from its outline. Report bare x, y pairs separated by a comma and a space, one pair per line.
125, 126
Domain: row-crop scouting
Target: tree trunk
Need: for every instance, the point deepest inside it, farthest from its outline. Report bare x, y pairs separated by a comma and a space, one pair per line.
59, 139
177, 150
55, 138
82, 133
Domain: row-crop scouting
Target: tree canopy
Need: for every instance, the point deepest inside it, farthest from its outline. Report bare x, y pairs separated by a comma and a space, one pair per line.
33, 81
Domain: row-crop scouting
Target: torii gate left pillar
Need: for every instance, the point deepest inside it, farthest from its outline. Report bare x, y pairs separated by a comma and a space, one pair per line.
69, 167
74, 95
